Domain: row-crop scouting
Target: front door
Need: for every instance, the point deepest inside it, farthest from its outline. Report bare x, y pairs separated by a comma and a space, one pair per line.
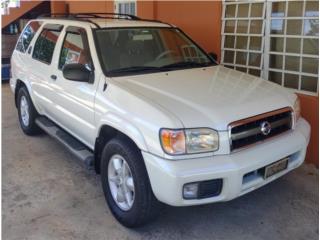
39, 66
74, 101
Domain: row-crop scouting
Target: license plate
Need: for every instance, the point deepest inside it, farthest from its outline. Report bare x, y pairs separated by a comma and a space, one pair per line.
276, 167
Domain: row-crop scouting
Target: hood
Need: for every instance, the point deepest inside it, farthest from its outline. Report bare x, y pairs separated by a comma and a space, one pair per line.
209, 97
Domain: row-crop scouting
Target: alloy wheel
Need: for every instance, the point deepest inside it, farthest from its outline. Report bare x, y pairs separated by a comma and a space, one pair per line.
24, 111
121, 182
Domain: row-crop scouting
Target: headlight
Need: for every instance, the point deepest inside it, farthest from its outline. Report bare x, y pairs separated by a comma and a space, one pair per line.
189, 141
201, 140
297, 109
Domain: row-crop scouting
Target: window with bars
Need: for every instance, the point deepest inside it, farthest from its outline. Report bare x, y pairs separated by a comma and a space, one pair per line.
126, 7
242, 33
276, 40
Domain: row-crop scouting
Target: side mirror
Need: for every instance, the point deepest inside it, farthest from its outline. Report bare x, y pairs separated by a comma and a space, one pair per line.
76, 72
213, 56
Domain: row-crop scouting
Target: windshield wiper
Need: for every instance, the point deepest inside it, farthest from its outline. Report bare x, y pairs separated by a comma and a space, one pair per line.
185, 64
134, 69
168, 67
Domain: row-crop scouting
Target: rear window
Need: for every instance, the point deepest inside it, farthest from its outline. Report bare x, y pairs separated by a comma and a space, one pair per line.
45, 44
27, 36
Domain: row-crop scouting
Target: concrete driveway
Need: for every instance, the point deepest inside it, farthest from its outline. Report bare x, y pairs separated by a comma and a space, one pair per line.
47, 195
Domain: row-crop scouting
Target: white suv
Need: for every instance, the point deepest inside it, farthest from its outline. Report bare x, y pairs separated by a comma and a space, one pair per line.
155, 115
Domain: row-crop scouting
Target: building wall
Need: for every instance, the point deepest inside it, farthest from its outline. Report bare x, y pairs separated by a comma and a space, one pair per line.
58, 6
90, 6
202, 21
310, 111
147, 9
82, 6
199, 19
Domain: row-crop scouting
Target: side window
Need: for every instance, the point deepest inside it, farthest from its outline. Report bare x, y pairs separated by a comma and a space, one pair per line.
27, 36
44, 46
73, 50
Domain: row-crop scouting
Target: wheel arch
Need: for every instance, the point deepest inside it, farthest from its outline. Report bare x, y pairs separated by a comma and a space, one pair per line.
109, 130
19, 84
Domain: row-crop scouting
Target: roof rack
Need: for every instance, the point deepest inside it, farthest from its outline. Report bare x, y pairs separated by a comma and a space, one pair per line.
85, 17
105, 15
91, 15
66, 16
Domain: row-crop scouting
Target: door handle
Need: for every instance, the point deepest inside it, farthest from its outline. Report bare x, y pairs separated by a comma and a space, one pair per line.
53, 77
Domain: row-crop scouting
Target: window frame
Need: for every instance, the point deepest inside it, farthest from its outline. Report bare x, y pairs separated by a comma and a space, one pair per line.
266, 36
249, 35
84, 36
48, 27
266, 68
35, 33
118, 2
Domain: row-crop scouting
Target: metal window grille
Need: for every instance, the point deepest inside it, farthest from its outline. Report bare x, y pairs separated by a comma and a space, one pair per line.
126, 7
276, 40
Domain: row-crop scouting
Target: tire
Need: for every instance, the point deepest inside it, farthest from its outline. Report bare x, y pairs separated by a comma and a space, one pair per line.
145, 206
27, 113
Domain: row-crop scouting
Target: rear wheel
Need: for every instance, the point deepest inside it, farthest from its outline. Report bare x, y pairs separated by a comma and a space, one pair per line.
126, 184
27, 113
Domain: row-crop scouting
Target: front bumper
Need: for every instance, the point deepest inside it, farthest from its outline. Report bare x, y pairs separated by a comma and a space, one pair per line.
167, 177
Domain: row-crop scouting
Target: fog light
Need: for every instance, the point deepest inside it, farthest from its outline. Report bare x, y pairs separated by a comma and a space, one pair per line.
204, 189
190, 191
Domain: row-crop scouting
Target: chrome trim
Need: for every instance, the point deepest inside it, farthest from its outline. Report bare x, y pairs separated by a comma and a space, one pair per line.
256, 130
255, 118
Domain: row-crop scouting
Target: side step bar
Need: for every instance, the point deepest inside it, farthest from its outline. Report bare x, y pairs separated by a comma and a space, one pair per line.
83, 153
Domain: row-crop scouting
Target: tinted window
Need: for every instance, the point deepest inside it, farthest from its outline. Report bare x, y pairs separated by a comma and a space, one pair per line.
145, 48
44, 46
73, 51
27, 36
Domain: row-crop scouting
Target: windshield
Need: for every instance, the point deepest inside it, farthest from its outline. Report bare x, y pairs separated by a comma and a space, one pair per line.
126, 51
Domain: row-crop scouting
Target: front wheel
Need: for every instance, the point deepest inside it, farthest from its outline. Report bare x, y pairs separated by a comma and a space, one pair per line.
27, 113
126, 184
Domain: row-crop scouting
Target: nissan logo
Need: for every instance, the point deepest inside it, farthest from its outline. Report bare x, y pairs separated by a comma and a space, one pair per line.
265, 128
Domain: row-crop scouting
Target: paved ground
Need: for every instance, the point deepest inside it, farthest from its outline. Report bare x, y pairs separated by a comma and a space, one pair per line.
47, 195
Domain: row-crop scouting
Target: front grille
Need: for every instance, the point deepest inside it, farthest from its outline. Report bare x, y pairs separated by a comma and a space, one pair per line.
248, 131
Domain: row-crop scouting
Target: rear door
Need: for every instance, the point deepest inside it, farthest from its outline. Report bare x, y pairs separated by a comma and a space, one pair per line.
41, 68
74, 101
